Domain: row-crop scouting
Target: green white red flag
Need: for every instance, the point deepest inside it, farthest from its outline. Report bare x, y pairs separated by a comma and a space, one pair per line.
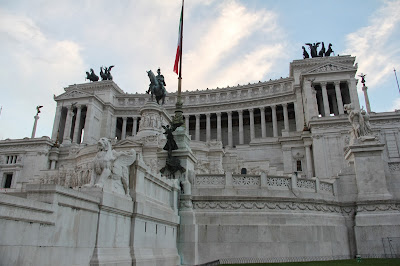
178, 56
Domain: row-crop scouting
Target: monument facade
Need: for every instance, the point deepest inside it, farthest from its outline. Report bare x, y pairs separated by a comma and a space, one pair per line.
284, 170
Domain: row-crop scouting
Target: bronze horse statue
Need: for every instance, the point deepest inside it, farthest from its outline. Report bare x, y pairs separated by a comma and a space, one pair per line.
155, 88
92, 76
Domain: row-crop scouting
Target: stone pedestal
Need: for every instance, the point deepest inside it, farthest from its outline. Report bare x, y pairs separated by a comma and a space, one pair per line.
112, 246
369, 168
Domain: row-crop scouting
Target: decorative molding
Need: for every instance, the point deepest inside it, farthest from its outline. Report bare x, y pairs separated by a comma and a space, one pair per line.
394, 167
210, 180
378, 207
246, 181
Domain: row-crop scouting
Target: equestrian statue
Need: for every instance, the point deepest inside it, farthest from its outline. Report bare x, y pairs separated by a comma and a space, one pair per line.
157, 86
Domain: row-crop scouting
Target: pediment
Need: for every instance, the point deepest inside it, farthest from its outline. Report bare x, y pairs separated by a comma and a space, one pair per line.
329, 67
73, 95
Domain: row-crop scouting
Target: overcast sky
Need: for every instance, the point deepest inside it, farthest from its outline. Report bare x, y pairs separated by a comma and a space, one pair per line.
46, 45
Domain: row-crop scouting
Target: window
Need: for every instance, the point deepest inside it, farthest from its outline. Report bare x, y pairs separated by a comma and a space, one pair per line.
243, 171
299, 168
8, 180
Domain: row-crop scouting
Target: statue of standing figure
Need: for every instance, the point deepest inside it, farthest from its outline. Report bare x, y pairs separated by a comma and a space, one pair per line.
359, 120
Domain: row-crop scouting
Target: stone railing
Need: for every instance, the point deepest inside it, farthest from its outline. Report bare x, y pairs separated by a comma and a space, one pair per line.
228, 180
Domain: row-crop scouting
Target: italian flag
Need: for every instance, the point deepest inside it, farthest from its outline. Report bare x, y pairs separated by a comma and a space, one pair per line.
179, 48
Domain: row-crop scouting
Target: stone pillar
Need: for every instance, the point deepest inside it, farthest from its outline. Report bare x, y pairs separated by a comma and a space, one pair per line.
352, 84
123, 134
197, 127
134, 129
274, 121
113, 126
208, 127
252, 135
285, 117
339, 97
219, 135
309, 160
230, 143
88, 124
77, 124
187, 118
56, 125
263, 128
325, 99
367, 105
241, 136
67, 128
298, 109
369, 169
36, 117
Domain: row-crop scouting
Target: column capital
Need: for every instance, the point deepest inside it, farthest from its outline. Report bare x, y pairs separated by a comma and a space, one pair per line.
273, 106
229, 112
186, 116
364, 88
323, 83
197, 116
262, 109
218, 114
124, 118
337, 83
240, 112
251, 110
284, 104
208, 115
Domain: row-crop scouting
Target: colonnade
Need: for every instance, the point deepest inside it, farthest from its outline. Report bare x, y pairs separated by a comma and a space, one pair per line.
239, 117
332, 96
125, 128
70, 123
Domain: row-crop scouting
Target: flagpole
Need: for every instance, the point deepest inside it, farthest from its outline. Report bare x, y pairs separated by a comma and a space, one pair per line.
178, 119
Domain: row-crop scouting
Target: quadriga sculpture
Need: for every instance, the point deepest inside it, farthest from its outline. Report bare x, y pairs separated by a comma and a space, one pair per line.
111, 168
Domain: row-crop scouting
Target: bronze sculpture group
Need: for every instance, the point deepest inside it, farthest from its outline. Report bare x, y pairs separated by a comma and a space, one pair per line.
313, 50
105, 75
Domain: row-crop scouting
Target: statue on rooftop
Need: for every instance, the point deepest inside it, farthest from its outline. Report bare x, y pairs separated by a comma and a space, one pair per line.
363, 78
322, 51
92, 76
313, 49
157, 86
106, 74
305, 54
329, 51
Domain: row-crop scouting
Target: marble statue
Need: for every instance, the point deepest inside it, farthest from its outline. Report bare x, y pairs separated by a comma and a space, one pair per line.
359, 120
157, 86
110, 165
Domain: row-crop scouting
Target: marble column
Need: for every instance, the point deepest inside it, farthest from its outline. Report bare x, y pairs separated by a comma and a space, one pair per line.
263, 127
77, 124
56, 125
113, 127
134, 129
274, 121
123, 135
187, 117
197, 127
241, 136
36, 117
334, 106
352, 84
285, 117
325, 99
230, 142
67, 128
208, 127
339, 99
252, 133
219, 135
89, 117
309, 160
367, 104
